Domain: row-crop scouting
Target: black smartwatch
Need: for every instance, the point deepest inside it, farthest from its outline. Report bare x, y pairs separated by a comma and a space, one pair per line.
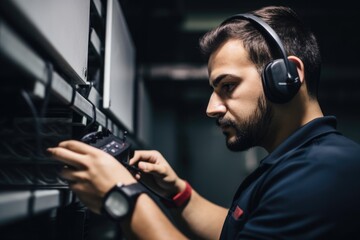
119, 202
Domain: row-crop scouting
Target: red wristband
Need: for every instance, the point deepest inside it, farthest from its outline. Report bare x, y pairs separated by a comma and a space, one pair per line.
181, 198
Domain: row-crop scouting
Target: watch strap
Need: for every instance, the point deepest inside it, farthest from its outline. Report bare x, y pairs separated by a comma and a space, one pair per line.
133, 190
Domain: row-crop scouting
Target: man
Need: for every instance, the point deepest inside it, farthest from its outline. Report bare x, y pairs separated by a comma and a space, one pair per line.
264, 84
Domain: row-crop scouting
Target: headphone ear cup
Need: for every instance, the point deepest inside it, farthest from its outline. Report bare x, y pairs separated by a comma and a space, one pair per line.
278, 88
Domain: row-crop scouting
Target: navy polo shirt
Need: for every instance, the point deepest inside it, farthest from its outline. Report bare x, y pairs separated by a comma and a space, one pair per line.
307, 188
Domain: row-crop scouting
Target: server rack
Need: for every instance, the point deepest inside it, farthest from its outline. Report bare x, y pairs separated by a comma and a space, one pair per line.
51, 91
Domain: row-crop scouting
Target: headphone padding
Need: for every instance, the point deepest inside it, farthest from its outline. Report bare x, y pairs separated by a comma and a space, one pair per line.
277, 87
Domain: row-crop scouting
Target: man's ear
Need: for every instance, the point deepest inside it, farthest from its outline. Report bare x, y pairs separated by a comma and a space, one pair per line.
299, 66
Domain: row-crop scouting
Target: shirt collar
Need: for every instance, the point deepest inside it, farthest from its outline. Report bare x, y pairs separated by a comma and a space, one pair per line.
304, 134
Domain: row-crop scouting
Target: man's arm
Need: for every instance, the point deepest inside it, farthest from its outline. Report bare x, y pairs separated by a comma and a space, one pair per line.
202, 218
199, 216
149, 222
92, 173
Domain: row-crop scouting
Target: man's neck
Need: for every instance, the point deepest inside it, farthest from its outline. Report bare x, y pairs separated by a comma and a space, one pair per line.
289, 121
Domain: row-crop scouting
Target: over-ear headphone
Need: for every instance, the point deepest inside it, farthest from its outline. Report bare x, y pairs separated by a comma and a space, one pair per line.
280, 79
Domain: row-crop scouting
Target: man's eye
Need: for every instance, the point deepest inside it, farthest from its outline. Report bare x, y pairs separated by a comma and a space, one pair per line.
228, 87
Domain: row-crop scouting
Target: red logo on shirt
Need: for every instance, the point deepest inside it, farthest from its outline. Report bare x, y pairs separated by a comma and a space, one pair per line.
237, 213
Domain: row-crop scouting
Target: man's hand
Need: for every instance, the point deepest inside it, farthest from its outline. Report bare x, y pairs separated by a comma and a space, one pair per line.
157, 173
90, 171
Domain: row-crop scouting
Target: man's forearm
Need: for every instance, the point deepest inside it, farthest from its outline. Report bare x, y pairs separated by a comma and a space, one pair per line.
199, 214
149, 222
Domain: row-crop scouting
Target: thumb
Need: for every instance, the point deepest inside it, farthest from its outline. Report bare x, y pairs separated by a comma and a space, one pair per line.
151, 168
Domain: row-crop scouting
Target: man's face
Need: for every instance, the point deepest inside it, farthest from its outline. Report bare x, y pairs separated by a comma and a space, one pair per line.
238, 102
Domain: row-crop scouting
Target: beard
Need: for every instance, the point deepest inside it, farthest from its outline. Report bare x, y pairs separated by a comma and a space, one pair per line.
251, 131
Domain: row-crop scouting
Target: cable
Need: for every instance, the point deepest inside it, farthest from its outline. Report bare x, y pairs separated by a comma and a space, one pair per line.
93, 120
38, 138
49, 70
37, 125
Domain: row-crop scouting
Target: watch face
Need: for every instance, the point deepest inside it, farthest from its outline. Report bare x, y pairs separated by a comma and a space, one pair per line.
116, 205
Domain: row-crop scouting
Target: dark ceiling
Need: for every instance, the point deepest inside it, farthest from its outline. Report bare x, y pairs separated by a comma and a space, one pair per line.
166, 36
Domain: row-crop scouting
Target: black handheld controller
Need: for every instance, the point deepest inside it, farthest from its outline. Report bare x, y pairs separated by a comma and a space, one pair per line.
115, 146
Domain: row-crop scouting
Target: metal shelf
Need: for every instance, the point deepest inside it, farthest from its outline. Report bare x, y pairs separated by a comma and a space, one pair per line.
17, 205
15, 50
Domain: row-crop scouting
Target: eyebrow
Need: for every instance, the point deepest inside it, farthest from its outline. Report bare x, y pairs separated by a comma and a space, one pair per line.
219, 78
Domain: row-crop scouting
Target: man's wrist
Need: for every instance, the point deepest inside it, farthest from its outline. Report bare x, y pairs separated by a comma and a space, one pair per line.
119, 201
181, 198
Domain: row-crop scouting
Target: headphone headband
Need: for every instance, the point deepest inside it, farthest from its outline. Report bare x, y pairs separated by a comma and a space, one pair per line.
268, 31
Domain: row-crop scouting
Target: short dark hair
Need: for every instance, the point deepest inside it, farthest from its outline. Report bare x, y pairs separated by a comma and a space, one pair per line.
297, 39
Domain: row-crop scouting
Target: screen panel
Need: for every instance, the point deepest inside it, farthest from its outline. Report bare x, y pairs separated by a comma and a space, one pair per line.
65, 25
119, 68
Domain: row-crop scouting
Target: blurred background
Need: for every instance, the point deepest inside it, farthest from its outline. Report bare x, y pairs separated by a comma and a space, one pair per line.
133, 67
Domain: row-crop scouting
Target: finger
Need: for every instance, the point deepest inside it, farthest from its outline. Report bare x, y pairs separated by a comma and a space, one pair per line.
73, 175
143, 155
68, 157
79, 147
137, 176
136, 157
152, 168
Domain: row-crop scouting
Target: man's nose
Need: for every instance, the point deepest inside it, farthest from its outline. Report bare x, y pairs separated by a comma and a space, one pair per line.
215, 106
